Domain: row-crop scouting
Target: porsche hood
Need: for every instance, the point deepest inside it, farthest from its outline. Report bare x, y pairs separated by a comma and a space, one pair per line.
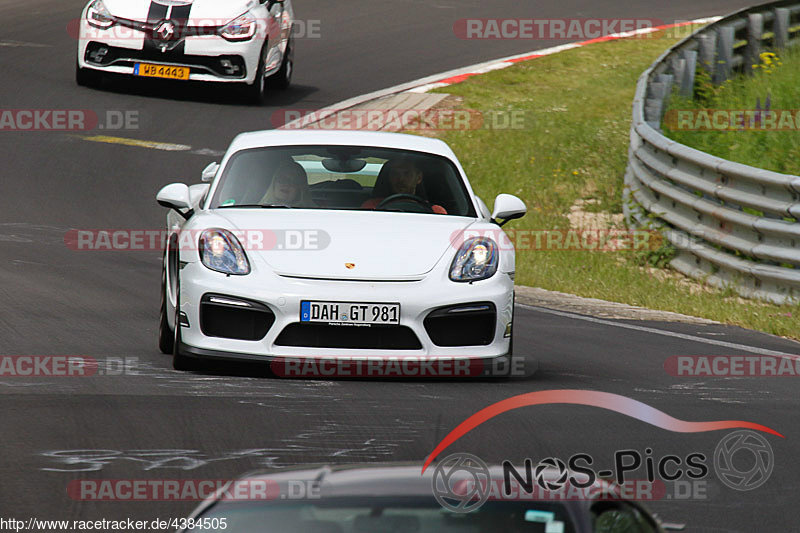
344, 244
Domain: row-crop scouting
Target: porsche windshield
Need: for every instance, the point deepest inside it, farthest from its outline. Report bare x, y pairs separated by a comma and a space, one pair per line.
342, 177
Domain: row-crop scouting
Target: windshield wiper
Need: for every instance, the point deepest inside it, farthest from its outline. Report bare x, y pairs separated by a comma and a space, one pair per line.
254, 206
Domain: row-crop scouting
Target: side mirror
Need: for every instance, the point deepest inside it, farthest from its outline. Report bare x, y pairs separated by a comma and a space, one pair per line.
507, 208
210, 171
176, 196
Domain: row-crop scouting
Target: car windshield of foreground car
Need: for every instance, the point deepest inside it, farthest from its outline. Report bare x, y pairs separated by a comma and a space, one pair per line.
342, 177
377, 515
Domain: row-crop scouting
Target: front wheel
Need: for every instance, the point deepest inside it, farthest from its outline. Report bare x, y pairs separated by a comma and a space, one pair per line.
255, 92
179, 361
166, 335
283, 78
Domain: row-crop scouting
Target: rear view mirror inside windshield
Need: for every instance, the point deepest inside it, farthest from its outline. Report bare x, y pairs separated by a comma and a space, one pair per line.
343, 166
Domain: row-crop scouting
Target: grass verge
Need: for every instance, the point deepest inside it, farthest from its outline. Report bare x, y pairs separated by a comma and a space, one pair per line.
573, 151
774, 84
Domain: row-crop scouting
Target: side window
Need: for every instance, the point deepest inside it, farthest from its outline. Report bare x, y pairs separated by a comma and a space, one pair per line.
618, 517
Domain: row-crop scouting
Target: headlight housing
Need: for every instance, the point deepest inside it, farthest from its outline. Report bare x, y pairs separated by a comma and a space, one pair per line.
221, 251
242, 28
476, 260
98, 16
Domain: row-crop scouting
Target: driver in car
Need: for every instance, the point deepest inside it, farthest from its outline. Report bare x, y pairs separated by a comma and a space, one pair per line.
289, 186
404, 177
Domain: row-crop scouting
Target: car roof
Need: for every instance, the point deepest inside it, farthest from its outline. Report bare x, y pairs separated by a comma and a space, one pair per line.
259, 139
386, 480
398, 480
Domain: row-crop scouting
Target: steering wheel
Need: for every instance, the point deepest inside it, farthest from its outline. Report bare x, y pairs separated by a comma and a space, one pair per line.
411, 200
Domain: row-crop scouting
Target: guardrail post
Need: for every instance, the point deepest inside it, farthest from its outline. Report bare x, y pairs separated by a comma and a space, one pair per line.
679, 70
652, 112
654, 105
707, 45
780, 27
723, 66
690, 67
666, 81
755, 31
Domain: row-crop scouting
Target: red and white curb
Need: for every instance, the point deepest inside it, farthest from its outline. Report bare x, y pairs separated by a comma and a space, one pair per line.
452, 77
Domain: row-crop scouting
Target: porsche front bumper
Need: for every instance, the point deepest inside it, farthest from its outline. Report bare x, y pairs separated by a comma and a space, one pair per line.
474, 304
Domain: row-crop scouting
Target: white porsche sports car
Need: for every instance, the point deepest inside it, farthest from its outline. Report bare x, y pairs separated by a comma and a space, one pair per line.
247, 42
334, 244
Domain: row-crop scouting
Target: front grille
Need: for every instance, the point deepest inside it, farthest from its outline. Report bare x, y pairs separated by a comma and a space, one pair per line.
348, 337
462, 325
233, 318
126, 57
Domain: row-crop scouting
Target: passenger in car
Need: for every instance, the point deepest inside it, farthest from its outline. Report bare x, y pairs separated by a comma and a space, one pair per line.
289, 186
398, 176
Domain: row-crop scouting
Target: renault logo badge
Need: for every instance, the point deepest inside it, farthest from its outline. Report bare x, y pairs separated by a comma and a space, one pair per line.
165, 30
350, 266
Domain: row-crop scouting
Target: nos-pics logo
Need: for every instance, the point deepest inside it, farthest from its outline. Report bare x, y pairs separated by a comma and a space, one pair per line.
743, 460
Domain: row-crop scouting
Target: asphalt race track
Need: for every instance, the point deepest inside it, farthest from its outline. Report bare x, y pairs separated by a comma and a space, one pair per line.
163, 424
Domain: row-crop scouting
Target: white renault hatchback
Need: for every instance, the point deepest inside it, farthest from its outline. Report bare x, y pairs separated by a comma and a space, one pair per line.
315, 244
245, 42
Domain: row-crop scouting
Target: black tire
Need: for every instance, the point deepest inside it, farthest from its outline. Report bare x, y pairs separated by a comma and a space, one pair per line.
179, 361
166, 335
510, 353
86, 77
282, 79
530, 365
511, 341
255, 93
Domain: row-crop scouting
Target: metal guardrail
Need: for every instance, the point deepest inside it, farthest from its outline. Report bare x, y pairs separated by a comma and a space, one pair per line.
706, 205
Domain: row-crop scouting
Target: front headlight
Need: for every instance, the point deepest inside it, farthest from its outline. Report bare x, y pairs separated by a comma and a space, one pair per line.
98, 16
241, 28
221, 251
476, 260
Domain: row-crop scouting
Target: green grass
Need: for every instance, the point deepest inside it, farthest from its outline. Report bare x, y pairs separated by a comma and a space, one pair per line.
577, 106
773, 150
